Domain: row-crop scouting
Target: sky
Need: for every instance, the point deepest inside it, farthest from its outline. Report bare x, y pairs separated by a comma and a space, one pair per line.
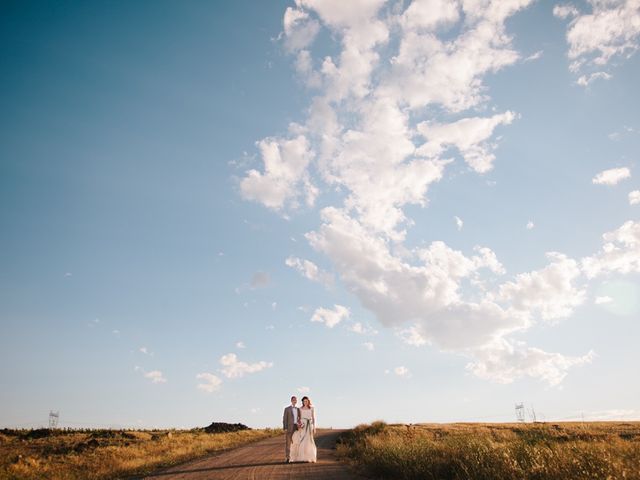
418, 211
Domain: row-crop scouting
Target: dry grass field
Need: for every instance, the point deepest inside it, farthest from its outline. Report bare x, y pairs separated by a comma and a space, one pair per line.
540, 451
108, 454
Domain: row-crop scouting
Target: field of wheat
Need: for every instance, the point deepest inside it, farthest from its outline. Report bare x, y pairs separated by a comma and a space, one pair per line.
108, 454
540, 451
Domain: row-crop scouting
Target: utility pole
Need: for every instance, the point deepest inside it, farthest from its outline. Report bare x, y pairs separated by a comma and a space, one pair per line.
520, 412
53, 419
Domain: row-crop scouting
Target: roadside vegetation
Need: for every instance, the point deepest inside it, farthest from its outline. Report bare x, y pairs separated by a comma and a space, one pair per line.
539, 451
110, 454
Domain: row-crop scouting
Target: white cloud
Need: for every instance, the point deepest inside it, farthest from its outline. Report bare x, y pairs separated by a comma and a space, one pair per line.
299, 29
619, 414
155, 376
430, 14
603, 300
338, 14
304, 390
234, 368
305, 68
285, 170
240, 345
357, 328
612, 176
428, 70
612, 29
534, 56
369, 346
144, 350
395, 106
361, 329
402, 371
330, 317
634, 197
551, 291
459, 222
411, 336
115, 332
398, 291
530, 225
210, 382
585, 80
309, 270
503, 362
468, 135
565, 11
620, 252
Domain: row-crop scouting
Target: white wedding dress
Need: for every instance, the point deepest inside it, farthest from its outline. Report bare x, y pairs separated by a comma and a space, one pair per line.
303, 447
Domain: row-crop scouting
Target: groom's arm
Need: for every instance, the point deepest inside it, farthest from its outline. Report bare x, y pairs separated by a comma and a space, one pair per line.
284, 419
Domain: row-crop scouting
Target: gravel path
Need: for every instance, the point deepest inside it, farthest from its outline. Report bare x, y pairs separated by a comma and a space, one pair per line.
263, 460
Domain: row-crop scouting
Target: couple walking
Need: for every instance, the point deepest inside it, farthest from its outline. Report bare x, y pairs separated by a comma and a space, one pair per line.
300, 427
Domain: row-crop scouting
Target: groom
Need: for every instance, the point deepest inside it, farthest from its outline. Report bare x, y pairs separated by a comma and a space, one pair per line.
290, 423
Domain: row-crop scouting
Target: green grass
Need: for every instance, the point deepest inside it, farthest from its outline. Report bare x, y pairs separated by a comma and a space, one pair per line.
567, 451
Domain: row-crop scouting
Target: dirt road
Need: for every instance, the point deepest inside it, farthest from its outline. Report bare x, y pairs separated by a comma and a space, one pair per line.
263, 461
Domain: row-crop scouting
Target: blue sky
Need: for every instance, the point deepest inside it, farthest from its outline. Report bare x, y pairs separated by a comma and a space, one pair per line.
414, 212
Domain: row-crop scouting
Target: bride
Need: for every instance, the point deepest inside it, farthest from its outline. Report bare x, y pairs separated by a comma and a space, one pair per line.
303, 448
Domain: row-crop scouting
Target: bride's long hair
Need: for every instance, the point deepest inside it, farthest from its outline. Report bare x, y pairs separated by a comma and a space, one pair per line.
306, 398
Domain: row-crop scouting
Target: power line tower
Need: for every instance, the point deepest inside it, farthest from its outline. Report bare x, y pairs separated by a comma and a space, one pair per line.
532, 414
520, 412
53, 419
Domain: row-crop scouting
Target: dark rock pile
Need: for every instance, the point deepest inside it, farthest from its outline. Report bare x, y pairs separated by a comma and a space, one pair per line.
221, 427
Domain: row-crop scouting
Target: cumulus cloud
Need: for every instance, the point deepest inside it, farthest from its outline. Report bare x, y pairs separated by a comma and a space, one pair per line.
610, 30
603, 300
468, 135
234, 368
530, 225
503, 361
552, 291
585, 80
402, 371
329, 317
396, 106
369, 346
209, 382
300, 29
155, 376
285, 163
459, 222
634, 197
411, 336
612, 176
565, 11
309, 270
362, 329
620, 252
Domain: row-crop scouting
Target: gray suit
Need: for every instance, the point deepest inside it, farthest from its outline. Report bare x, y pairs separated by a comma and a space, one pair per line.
290, 426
